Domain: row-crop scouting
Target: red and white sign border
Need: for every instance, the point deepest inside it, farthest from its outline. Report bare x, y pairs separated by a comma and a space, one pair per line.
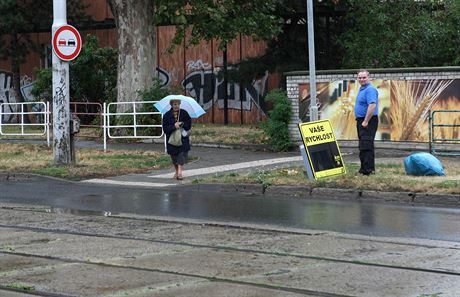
55, 43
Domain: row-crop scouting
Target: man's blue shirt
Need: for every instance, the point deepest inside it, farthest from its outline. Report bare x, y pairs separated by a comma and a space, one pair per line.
367, 94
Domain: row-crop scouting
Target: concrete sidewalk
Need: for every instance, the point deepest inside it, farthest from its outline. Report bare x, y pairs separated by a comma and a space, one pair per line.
209, 161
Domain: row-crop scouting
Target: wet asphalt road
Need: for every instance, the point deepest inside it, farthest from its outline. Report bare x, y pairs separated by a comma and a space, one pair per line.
366, 218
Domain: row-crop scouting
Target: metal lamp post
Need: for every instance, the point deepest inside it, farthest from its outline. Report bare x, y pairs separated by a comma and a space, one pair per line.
311, 62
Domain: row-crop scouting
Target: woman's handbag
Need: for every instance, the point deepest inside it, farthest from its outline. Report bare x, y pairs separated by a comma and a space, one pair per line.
176, 138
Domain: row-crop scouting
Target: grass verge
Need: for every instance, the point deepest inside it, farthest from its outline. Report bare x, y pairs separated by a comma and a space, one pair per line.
28, 158
389, 177
228, 134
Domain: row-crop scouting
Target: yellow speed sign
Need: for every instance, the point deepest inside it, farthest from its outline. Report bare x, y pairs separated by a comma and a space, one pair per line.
322, 150
316, 132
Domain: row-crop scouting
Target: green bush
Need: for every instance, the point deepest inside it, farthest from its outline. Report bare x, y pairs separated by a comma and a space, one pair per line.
43, 86
93, 78
93, 75
276, 127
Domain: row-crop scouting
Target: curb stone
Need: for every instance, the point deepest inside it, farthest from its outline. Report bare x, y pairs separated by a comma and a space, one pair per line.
305, 192
225, 188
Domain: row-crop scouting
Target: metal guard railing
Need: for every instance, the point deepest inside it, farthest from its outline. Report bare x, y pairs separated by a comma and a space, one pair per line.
444, 146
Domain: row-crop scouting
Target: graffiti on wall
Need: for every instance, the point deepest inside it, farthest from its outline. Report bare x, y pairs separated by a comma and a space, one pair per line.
7, 95
26, 88
204, 84
403, 106
164, 77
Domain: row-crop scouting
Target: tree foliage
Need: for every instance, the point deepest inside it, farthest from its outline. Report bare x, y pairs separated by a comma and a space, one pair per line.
221, 19
355, 34
288, 51
21, 17
402, 33
93, 75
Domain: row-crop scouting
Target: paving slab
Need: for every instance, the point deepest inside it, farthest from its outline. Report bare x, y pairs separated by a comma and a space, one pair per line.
12, 264
5, 293
212, 289
93, 280
354, 280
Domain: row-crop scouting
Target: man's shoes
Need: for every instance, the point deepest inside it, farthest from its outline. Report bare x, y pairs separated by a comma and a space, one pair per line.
366, 172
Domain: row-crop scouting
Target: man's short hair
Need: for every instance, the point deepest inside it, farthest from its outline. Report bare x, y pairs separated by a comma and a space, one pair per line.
363, 70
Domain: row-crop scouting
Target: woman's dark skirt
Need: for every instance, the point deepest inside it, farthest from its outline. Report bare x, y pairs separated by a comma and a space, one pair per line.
180, 158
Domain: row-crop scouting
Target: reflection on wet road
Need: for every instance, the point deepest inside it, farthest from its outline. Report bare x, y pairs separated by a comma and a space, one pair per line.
342, 216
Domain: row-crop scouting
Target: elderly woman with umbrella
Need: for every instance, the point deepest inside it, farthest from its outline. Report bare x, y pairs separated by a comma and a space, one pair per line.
178, 111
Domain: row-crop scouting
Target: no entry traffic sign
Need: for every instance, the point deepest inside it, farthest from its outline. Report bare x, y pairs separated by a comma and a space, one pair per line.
66, 43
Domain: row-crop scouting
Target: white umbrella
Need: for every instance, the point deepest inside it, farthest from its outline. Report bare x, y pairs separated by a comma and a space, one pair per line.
187, 103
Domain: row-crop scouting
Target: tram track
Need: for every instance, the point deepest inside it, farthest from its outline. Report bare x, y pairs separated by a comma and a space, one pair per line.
109, 215
176, 273
33, 292
309, 291
231, 249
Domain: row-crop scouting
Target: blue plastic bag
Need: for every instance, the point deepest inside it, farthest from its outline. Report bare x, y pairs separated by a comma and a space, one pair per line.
423, 164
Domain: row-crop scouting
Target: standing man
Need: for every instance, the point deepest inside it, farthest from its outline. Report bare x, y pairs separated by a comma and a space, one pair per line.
366, 111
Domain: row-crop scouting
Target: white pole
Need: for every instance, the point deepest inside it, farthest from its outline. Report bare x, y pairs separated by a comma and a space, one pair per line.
311, 62
47, 123
1, 119
104, 114
22, 118
165, 144
61, 109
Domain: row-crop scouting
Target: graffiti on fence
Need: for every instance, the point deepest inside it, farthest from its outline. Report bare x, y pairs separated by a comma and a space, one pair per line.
197, 65
7, 95
26, 88
164, 77
207, 87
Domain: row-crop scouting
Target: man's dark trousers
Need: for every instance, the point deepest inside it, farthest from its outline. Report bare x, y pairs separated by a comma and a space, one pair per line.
366, 144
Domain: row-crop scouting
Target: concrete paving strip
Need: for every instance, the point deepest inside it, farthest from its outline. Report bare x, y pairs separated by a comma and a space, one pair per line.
127, 183
171, 259
237, 166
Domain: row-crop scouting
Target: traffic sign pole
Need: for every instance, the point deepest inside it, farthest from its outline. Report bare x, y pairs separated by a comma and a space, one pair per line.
311, 62
61, 97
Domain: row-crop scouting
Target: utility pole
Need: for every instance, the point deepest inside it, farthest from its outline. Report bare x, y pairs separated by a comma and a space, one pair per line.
225, 53
61, 97
311, 62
